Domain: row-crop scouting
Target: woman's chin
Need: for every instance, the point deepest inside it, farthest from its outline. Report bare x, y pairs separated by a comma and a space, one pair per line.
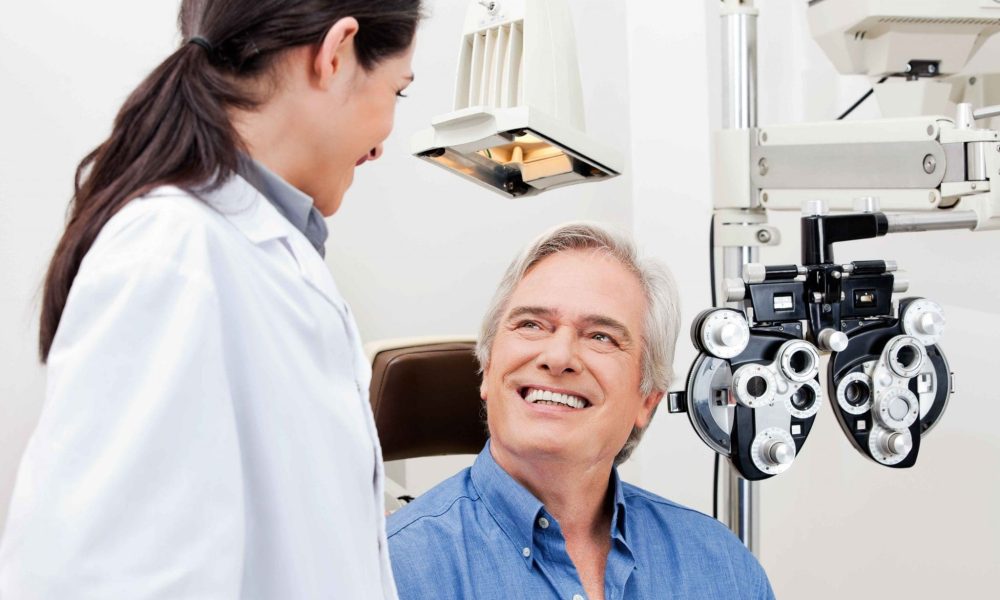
329, 203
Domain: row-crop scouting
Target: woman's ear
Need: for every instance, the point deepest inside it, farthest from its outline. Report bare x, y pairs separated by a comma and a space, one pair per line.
336, 52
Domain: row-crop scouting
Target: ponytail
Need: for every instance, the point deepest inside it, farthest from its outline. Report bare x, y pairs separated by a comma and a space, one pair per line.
174, 129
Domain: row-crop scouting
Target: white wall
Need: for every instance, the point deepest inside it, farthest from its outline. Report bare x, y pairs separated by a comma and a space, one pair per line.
417, 252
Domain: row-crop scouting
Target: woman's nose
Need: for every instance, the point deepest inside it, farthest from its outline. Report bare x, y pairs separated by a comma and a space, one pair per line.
375, 152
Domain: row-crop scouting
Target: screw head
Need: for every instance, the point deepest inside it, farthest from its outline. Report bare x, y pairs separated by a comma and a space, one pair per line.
762, 166
930, 164
763, 236
763, 136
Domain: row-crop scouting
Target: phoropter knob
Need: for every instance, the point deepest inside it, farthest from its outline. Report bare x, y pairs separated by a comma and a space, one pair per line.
780, 453
832, 340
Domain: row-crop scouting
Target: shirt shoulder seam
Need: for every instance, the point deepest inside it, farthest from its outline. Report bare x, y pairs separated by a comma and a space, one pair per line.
393, 531
631, 491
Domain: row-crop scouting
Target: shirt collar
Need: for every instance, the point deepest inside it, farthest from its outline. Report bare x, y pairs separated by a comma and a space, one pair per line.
516, 509
291, 202
618, 517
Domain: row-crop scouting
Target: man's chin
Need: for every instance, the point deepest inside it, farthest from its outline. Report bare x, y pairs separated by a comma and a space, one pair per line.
539, 444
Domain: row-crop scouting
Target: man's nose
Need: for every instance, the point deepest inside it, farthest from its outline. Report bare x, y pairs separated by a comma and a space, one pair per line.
375, 152
560, 355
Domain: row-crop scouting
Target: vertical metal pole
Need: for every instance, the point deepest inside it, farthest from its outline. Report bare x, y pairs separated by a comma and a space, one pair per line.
738, 496
739, 65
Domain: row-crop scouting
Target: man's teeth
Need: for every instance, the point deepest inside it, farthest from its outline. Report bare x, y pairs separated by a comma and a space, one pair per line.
547, 397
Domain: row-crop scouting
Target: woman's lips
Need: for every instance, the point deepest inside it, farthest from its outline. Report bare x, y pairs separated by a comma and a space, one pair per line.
361, 161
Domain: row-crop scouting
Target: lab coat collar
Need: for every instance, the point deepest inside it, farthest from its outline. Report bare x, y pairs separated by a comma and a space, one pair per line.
249, 211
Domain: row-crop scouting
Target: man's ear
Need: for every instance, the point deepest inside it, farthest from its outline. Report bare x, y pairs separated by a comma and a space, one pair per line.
336, 51
649, 404
482, 384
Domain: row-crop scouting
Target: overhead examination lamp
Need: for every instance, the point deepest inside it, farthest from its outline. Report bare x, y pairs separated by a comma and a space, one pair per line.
517, 126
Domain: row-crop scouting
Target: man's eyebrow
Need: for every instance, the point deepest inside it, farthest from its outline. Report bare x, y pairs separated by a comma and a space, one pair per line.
589, 320
609, 323
540, 311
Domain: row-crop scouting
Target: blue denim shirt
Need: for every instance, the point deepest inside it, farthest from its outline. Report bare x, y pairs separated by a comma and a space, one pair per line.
482, 535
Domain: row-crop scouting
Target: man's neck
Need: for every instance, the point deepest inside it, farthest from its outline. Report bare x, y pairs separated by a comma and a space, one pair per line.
575, 493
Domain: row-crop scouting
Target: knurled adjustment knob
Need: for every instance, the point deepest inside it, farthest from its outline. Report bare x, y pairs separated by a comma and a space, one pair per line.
832, 340
899, 444
729, 334
780, 453
772, 450
896, 408
930, 323
924, 319
723, 333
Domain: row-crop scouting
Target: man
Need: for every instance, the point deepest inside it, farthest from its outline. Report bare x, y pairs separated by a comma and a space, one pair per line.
576, 353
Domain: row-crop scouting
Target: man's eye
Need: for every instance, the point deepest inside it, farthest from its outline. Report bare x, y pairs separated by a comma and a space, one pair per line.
528, 325
604, 338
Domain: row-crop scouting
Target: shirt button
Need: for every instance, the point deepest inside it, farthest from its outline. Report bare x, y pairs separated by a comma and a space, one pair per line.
578, 597
543, 523
526, 552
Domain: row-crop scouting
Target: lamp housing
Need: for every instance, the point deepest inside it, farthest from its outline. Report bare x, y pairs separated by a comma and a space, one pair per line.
517, 124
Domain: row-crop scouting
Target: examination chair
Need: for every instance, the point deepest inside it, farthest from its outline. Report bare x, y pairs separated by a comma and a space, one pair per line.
425, 398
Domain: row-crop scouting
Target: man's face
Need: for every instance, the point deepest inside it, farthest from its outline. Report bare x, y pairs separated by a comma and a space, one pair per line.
565, 366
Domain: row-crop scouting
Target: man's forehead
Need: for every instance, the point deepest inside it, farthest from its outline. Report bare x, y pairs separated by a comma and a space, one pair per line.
581, 285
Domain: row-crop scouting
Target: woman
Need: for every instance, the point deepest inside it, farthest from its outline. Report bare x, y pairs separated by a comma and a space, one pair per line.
206, 431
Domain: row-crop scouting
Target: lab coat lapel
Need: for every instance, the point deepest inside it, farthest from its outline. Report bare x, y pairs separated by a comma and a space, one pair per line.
251, 213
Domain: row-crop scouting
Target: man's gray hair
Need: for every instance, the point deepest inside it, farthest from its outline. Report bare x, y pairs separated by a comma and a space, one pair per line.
662, 306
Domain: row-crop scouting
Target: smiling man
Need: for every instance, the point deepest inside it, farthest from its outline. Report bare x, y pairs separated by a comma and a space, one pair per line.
576, 353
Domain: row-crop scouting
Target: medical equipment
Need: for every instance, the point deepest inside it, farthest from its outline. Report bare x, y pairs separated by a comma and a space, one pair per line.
913, 51
424, 396
753, 394
888, 379
425, 401
517, 125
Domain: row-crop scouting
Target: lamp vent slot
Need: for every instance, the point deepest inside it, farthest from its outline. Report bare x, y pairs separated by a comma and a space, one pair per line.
490, 67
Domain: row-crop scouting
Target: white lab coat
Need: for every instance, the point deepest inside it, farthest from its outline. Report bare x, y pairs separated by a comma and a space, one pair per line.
206, 431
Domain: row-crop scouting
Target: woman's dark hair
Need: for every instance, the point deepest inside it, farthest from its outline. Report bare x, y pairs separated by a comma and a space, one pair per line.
174, 128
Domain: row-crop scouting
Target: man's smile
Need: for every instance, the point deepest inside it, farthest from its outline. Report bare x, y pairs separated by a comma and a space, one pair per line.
537, 395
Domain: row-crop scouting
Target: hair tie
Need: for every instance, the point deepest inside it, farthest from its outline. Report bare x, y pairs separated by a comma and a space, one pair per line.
200, 41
